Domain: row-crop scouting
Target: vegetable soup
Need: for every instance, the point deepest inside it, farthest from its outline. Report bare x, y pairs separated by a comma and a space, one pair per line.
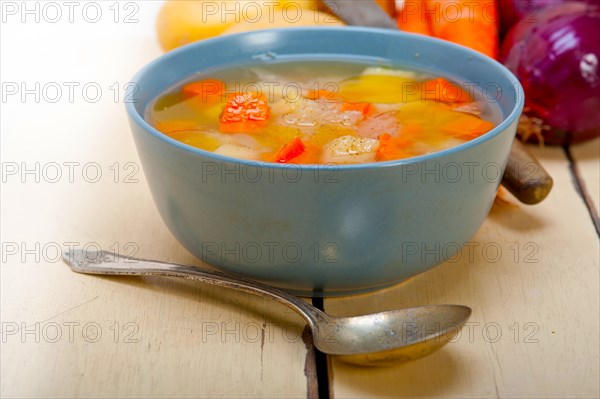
312, 112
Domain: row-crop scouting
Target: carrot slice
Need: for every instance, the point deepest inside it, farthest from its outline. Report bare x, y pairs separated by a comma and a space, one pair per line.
467, 127
290, 151
244, 112
387, 150
311, 155
242, 127
390, 148
399, 146
209, 91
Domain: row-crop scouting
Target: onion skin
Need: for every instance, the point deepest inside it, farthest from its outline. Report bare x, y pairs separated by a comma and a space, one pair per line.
557, 60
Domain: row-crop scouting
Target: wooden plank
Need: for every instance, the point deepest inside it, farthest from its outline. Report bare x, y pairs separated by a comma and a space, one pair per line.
159, 337
534, 328
71, 335
586, 157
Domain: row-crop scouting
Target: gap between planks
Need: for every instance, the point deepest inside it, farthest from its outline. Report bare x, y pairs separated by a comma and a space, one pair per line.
581, 189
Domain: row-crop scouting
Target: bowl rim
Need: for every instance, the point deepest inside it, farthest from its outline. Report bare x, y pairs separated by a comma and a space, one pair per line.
497, 130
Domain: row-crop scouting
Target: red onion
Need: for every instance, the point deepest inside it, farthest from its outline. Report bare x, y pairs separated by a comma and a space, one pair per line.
557, 61
512, 11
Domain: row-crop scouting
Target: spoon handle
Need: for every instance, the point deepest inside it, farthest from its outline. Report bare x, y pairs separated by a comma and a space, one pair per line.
525, 177
108, 263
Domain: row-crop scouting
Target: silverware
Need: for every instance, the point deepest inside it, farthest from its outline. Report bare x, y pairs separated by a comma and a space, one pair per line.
523, 176
376, 339
361, 12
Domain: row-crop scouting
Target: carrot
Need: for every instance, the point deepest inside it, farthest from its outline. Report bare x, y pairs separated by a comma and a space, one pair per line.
443, 91
244, 112
209, 91
311, 155
391, 148
412, 18
290, 151
467, 127
472, 23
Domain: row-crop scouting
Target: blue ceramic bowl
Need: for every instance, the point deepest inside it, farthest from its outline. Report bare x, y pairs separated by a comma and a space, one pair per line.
325, 230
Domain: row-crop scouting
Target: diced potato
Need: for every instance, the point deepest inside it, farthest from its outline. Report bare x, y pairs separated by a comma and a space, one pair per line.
384, 123
350, 145
425, 113
237, 151
204, 141
274, 136
350, 149
379, 89
310, 114
327, 133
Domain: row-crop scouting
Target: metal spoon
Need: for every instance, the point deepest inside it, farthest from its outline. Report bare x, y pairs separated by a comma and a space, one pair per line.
376, 339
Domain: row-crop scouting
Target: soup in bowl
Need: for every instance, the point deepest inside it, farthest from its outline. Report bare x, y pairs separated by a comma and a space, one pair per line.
325, 161
319, 112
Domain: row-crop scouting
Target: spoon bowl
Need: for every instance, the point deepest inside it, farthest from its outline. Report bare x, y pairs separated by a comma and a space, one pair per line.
377, 339
389, 337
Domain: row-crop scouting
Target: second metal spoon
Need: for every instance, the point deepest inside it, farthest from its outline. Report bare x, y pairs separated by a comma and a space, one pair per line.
376, 339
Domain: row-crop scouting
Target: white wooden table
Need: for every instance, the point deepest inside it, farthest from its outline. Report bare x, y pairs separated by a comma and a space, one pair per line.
71, 176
